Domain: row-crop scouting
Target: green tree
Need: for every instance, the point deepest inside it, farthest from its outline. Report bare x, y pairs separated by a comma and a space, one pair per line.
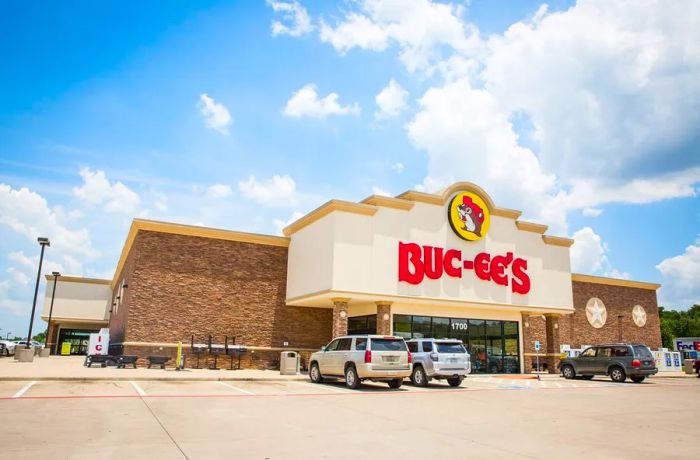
40, 337
679, 324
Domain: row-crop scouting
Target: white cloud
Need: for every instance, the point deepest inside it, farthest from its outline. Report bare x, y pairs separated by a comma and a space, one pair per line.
611, 116
355, 31
588, 254
279, 191
398, 167
28, 214
97, 190
609, 86
592, 212
216, 115
680, 288
219, 191
306, 103
297, 20
615, 273
281, 224
380, 191
420, 28
391, 101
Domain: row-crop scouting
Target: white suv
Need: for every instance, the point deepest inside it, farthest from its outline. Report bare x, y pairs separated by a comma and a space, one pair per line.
362, 357
9, 347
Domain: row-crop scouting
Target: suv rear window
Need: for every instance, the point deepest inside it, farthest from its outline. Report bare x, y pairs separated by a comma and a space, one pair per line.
642, 352
412, 347
450, 347
388, 345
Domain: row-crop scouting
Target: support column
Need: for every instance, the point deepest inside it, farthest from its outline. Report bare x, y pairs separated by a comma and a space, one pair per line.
340, 316
553, 350
527, 340
383, 317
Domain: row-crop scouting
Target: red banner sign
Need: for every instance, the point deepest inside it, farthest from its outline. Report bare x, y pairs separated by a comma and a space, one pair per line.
417, 262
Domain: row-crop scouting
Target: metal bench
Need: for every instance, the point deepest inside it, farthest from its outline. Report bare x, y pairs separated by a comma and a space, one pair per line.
158, 361
126, 360
102, 360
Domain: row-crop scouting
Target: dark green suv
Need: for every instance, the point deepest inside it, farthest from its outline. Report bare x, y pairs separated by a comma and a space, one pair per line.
618, 360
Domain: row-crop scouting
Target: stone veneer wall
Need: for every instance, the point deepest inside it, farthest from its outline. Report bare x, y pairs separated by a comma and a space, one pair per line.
619, 301
182, 285
575, 330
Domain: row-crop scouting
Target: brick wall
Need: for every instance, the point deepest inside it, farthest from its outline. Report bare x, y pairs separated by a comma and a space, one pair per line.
182, 285
619, 300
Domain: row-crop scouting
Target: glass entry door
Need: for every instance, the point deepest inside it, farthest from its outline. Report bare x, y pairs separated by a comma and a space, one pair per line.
75, 338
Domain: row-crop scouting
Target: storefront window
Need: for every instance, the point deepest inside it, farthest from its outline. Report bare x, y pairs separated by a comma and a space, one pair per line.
362, 324
402, 326
441, 328
492, 344
477, 346
421, 327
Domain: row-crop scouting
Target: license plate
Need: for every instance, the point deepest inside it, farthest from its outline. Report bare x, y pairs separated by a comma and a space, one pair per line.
390, 359
452, 360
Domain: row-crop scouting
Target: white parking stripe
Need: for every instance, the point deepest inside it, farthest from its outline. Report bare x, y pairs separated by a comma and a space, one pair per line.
138, 389
543, 384
323, 387
24, 389
558, 384
236, 388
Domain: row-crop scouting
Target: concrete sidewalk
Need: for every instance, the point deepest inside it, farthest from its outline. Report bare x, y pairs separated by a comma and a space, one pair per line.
68, 368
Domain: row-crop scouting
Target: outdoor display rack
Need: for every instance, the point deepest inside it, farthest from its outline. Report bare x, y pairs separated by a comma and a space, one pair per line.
198, 349
234, 350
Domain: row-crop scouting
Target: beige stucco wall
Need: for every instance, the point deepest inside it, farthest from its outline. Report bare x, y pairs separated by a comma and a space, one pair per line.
86, 301
355, 253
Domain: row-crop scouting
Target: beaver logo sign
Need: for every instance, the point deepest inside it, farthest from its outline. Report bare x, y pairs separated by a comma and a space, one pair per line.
469, 216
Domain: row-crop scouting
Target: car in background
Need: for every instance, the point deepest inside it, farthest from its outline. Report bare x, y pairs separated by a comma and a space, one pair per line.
33, 344
362, 357
438, 359
9, 348
696, 366
617, 360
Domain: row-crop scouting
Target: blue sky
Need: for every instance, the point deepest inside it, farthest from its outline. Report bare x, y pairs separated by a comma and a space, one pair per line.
244, 115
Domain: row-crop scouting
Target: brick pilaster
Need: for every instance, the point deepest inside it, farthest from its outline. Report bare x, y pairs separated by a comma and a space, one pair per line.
384, 318
340, 316
552, 331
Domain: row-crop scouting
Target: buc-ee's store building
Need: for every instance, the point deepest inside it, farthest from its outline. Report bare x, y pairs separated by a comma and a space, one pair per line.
418, 265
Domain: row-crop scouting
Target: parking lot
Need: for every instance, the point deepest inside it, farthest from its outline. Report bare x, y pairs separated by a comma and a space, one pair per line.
487, 417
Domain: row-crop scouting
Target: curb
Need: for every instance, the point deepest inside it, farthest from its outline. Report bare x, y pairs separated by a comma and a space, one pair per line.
151, 379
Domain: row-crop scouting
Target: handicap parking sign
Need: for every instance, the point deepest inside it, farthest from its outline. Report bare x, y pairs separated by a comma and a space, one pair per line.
537, 345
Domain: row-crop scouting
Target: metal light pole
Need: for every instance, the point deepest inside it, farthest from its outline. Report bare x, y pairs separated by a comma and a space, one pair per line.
53, 294
43, 242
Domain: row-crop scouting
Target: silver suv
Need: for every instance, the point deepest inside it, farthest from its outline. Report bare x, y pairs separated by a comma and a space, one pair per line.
438, 359
362, 357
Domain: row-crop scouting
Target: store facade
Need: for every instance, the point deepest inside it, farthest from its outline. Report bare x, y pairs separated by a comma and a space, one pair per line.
417, 265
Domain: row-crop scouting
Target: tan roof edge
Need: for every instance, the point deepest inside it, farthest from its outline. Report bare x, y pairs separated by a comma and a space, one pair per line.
505, 212
531, 227
614, 281
442, 197
557, 241
327, 208
388, 202
78, 279
191, 230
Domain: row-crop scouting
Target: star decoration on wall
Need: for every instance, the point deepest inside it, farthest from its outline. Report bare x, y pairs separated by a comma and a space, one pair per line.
596, 312
639, 316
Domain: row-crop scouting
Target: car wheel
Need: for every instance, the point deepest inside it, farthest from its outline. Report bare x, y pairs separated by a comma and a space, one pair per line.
639, 379
617, 374
315, 373
587, 377
351, 379
418, 377
396, 383
568, 372
455, 381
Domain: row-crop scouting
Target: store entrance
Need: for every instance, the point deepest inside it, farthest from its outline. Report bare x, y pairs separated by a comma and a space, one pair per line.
493, 344
74, 341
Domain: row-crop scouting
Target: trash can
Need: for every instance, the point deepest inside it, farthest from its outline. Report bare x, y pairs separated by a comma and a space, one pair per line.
289, 363
688, 366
